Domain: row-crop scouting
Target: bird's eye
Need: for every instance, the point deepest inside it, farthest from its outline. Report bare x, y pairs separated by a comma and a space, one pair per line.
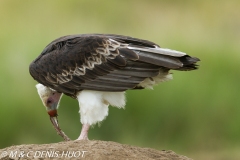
53, 93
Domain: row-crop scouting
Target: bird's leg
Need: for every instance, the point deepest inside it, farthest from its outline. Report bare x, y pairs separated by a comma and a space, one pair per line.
84, 132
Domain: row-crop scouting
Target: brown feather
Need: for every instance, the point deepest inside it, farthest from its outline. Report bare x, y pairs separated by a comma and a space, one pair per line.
102, 62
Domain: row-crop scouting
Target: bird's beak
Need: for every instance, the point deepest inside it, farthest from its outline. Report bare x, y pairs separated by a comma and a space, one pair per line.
53, 117
54, 120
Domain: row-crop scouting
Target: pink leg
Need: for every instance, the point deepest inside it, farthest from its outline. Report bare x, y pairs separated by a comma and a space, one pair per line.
84, 132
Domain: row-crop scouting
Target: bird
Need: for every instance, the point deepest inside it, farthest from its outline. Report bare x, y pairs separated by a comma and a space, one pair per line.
97, 70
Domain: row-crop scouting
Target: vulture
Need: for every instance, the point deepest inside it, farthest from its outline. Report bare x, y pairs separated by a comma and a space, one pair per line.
97, 69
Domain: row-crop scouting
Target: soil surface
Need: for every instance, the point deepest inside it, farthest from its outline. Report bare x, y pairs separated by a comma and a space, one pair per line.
92, 150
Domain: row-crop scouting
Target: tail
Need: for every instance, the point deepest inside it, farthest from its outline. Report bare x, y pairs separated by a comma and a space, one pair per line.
167, 58
189, 63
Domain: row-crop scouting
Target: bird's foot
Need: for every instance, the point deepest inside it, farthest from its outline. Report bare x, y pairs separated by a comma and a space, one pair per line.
82, 138
84, 132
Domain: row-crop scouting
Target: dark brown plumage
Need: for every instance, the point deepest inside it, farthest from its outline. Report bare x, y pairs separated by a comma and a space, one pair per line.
103, 62
96, 69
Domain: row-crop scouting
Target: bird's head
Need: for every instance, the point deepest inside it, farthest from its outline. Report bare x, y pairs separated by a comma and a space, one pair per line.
50, 99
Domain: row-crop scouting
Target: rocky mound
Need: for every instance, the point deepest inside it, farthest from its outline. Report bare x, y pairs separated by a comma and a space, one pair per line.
91, 150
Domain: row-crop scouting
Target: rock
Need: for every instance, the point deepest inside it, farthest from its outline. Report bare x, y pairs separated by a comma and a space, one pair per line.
91, 150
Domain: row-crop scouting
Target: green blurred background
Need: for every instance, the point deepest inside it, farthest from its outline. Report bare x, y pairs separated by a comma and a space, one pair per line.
196, 114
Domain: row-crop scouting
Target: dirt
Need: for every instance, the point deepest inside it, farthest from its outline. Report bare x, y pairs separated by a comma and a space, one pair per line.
92, 150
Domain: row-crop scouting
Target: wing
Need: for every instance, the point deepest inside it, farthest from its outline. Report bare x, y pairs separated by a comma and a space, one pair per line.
103, 62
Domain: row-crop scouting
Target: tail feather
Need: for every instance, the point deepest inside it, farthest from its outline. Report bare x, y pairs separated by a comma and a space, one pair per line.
189, 63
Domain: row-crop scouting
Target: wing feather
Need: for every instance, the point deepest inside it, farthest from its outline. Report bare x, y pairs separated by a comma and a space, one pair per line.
103, 62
